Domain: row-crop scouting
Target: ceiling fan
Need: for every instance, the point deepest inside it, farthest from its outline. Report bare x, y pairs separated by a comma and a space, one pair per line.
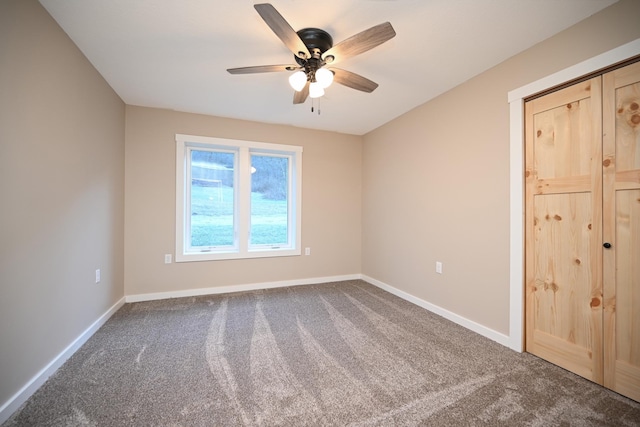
313, 50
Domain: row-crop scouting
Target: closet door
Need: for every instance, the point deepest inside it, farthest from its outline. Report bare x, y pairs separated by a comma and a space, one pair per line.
621, 219
563, 220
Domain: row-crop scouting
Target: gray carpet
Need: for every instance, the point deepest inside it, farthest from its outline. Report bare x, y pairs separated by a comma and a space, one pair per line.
343, 353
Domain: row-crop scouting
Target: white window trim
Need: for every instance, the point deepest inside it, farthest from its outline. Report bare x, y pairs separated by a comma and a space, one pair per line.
243, 249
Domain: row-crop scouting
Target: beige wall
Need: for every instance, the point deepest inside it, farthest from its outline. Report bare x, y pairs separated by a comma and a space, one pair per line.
436, 180
61, 193
331, 204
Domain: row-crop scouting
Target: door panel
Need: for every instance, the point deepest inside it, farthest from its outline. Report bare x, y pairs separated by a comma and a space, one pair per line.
621, 168
563, 219
562, 237
628, 268
563, 304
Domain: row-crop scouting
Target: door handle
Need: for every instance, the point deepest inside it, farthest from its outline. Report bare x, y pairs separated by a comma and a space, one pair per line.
607, 245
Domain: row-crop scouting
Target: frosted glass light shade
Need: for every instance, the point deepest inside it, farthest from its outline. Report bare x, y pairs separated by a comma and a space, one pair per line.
315, 90
324, 77
297, 80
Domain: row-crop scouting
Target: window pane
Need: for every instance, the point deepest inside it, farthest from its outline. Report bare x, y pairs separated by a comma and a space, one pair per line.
212, 196
269, 200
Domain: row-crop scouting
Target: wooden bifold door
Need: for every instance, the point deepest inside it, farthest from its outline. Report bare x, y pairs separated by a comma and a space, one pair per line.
582, 227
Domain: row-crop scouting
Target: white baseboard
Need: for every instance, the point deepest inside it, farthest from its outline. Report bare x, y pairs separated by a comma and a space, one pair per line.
455, 318
238, 288
462, 321
12, 405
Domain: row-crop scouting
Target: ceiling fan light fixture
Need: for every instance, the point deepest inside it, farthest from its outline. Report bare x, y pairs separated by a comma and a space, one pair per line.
298, 80
324, 77
316, 90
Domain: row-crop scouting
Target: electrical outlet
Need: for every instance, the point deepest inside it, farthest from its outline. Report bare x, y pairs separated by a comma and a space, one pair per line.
307, 251
98, 275
167, 258
438, 267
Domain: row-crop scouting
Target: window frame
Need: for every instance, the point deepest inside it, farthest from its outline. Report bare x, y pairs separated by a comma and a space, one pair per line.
242, 248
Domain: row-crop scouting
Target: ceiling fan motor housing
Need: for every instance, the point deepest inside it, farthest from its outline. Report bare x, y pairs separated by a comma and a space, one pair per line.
318, 42
315, 39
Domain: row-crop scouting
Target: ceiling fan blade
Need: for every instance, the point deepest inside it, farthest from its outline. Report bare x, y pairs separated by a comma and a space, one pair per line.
283, 30
361, 42
262, 69
300, 97
353, 80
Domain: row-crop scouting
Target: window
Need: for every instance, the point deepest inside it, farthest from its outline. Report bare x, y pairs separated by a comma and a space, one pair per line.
236, 199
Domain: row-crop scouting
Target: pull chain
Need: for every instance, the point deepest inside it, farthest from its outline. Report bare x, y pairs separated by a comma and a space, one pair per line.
312, 107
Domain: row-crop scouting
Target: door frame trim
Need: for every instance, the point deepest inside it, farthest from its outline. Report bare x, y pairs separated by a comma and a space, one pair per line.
516, 99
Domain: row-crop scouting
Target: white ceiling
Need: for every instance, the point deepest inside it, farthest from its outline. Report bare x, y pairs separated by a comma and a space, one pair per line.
174, 53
